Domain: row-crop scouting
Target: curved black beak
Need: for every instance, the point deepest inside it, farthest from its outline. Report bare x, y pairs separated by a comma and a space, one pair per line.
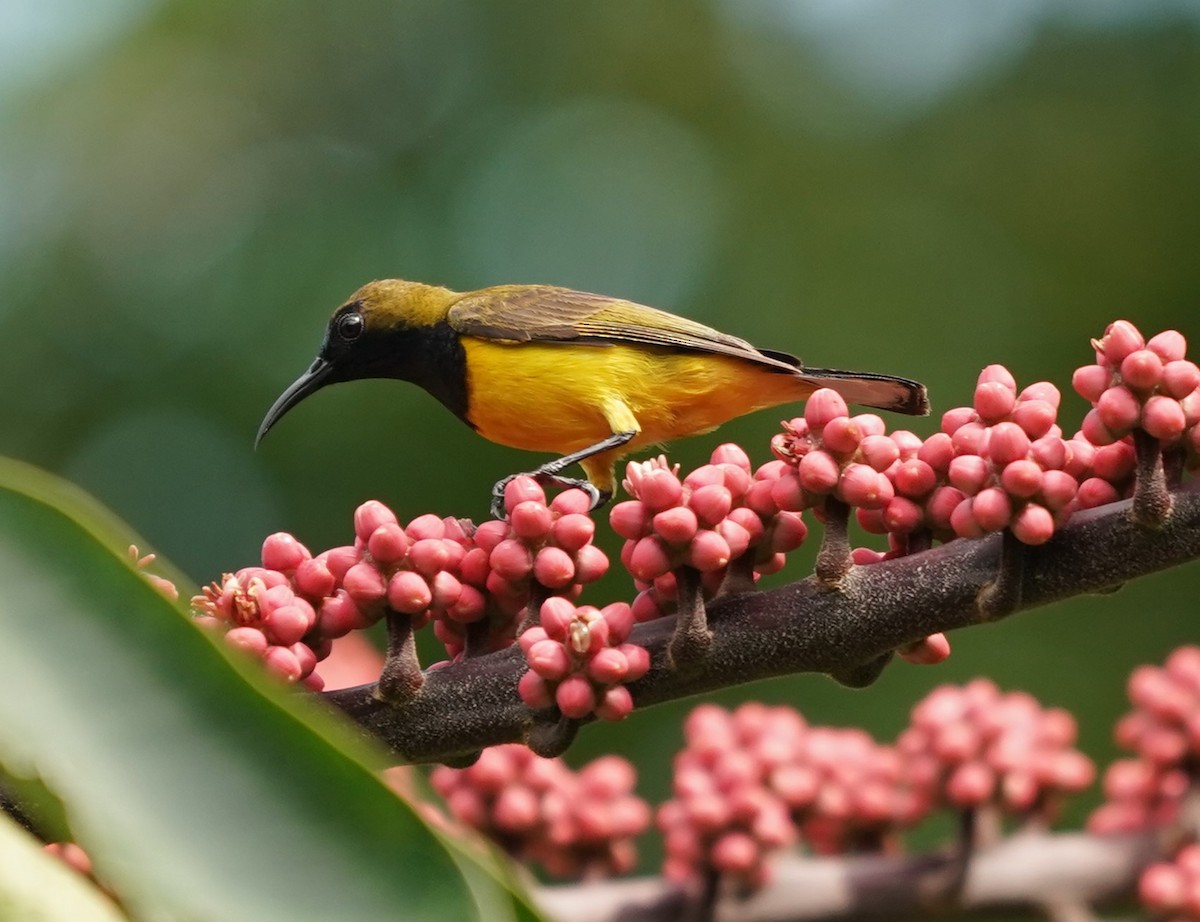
317, 376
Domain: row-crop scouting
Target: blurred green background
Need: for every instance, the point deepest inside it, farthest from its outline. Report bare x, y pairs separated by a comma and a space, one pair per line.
188, 188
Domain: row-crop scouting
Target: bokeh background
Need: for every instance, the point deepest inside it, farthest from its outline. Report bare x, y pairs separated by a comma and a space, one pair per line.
188, 188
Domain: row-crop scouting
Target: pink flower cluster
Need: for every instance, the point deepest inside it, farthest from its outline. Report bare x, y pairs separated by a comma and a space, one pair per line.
1137, 384
538, 810
725, 817
973, 745
271, 611
752, 781
580, 661
1172, 888
716, 514
1164, 732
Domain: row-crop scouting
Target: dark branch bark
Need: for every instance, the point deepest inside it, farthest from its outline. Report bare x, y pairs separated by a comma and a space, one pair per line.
807, 626
1025, 872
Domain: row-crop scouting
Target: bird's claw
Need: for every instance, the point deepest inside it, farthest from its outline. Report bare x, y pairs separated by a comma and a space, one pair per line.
596, 496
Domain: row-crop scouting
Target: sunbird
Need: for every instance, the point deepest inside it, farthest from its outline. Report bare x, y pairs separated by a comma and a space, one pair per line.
586, 376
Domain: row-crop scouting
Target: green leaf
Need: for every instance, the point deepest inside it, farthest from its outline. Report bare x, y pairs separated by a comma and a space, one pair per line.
200, 788
36, 887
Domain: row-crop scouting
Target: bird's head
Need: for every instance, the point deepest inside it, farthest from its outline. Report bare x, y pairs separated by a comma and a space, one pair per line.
366, 339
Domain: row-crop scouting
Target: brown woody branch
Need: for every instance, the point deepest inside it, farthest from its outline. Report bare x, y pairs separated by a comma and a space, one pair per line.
845, 629
1057, 875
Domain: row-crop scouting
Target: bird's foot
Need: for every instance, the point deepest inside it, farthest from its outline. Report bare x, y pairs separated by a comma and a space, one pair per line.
596, 496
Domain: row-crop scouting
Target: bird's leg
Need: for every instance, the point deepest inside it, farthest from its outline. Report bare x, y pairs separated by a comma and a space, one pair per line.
550, 473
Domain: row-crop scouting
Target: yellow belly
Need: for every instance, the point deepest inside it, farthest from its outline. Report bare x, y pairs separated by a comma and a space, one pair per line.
553, 398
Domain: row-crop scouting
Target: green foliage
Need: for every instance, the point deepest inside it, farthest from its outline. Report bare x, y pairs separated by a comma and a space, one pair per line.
200, 788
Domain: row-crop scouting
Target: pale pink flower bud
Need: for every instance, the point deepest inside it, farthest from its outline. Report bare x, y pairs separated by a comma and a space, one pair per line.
970, 439
572, 502
1163, 887
1090, 381
735, 536
731, 453
281, 551
901, 516
999, 375
937, 451
823, 405
817, 472
1141, 370
1022, 479
408, 592
250, 639
522, 489
1163, 418
708, 551
1115, 462
286, 624
534, 691
1119, 410
516, 809
711, 503
994, 401
1041, 390
971, 784
339, 615
511, 560
369, 516
879, 451
616, 704
556, 616
677, 525
869, 424
573, 531
553, 568
471, 605
1007, 442
430, 555
992, 509
1033, 524
648, 559
549, 659
841, 436
863, 486
1095, 430
591, 563
445, 589
574, 697
957, 417
426, 527
1120, 339
608, 666
1169, 345
940, 506
788, 532
659, 489
388, 544
630, 519
1180, 379
1058, 489
1036, 417
962, 520
637, 661
969, 473
283, 662
531, 520
365, 584
913, 478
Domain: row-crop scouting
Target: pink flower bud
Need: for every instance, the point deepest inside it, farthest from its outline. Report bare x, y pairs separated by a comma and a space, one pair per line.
339, 615
1000, 375
954, 419
288, 623
616, 704
365, 584
913, 478
788, 532
863, 486
1119, 410
490, 533
1180, 379
369, 516
1094, 429
313, 578
941, 505
555, 617
677, 525
608, 666
511, 559
573, 531
993, 401
549, 659
786, 492
970, 785
841, 436
735, 536
659, 489
969, 473
250, 639
1058, 489
823, 405
1163, 418
534, 691
1169, 345
281, 551
1120, 339
430, 555
1021, 479
1007, 442
970, 439
572, 502
444, 588
711, 503
1090, 381
553, 568
1141, 370
471, 605
591, 563
574, 697
962, 520
648, 559
531, 520
1049, 451
902, 516
708, 551
522, 489
992, 509
388, 544
1163, 887
1036, 417
637, 661
630, 519
817, 472
516, 809
305, 656
879, 451
283, 662
1033, 525
937, 451
1041, 390
408, 592
1114, 462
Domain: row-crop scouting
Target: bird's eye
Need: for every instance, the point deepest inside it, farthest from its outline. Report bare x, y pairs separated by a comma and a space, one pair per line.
350, 327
